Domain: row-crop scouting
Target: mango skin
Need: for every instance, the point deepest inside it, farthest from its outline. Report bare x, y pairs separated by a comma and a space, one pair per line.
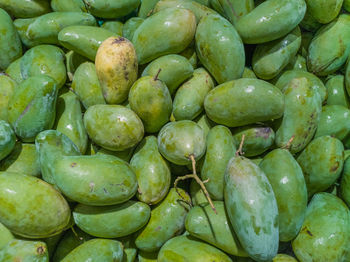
252, 208
217, 45
73, 61
146, 8
244, 101
197, 196
113, 127
203, 223
27, 219
8, 86
130, 27
10, 44
177, 141
146, 256
112, 221
151, 170
26, 251
174, 70
336, 91
7, 139
114, 26
345, 182
233, 10
297, 63
24, 8
167, 220
283, 17
186, 248
108, 250
325, 232
68, 6
322, 162
5, 236
116, 68
14, 70
324, 11
111, 9
288, 184
169, 31
283, 258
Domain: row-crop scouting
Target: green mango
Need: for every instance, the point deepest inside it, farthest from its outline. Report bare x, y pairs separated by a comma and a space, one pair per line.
252, 208
152, 172
325, 232
336, 91
270, 20
197, 196
73, 61
68, 6
244, 101
147, 256
69, 120
285, 79
51, 145
173, 70
306, 38
248, 73
31, 109
324, 11
130, 250
113, 127
189, 98
26, 251
288, 184
310, 23
271, 58
112, 221
220, 149
298, 62
111, 9
205, 123
190, 54
301, 115
257, 139
186, 248
167, 220
51, 243
10, 44
123, 155
216, 5
87, 86
14, 70
5, 236
7, 87
146, 8
233, 10
103, 179
334, 121
96, 250
217, 45
283, 258
23, 159
169, 31
114, 26
131, 25
177, 141
330, 47
203, 223
25, 8
345, 182
44, 60
21, 26
322, 162
85, 40
151, 101
20, 212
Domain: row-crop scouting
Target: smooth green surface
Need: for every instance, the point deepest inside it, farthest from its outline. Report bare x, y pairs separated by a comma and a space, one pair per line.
324, 11
25, 8
336, 91
131, 25
7, 139
113, 26
5, 236
24, 251
111, 8
68, 6
7, 87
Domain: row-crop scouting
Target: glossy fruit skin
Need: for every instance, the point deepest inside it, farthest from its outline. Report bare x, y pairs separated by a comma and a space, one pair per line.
113, 127
8, 86
324, 11
244, 101
336, 91
110, 8
114, 26
130, 27
68, 6
234, 10
252, 208
103, 179
146, 8
14, 70
151, 170
169, 31
7, 139
167, 220
21, 250
20, 211
325, 231
5, 236
288, 183
283, 258
322, 162
25, 8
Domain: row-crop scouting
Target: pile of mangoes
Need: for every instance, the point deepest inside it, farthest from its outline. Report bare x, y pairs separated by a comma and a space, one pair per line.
174, 130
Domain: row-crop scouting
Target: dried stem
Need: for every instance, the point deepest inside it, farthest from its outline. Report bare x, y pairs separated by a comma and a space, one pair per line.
156, 76
289, 143
239, 152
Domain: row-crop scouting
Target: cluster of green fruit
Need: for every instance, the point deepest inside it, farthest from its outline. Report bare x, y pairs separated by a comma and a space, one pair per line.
174, 130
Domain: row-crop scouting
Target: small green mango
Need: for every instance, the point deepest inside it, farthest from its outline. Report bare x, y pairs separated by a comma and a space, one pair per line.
130, 250
14, 70
310, 23
111, 9
235, 9
147, 256
114, 26
7, 87
248, 73
73, 61
336, 91
68, 6
131, 25
298, 62
7, 139
205, 123
21, 250
5, 236
146, 8
25, 8
324, 11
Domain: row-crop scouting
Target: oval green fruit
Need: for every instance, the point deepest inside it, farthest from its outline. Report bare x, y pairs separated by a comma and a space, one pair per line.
21, 250
345, 182
68, 6
111, 9
25, 8
131, 25
7, 87
114, 26
7, 139
336, 91
14, 70
324, 11
5, 236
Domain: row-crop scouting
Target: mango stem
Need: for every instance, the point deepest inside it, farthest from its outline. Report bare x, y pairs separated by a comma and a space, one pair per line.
289, 143
239, 152
156, 76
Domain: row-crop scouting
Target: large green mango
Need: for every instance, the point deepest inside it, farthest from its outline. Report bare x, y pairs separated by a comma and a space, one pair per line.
324, 11
244, 101
25, 8
336, 91
7, 139
26, 251
152, 172
32, 107
68, 6
131, 25
252, 208
20, 211
301, 115
220, 48
169, 31
288, 184
322, 162
167, 220
270, 20
325, 232
10, 43
110, 8
5, 236
7, 87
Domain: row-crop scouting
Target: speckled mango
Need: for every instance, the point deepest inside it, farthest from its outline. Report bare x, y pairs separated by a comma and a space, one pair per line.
20, 211
5, 236
325, 232
152, 172
324, 11
111, 9
68, 6
31, 109
301, 115
114, 26
167, 220
130, 27
169, 31
26, 251
25, 8
113, 127
336, 91
244, 101
252, 208
7, 87
7, 139
116, 68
